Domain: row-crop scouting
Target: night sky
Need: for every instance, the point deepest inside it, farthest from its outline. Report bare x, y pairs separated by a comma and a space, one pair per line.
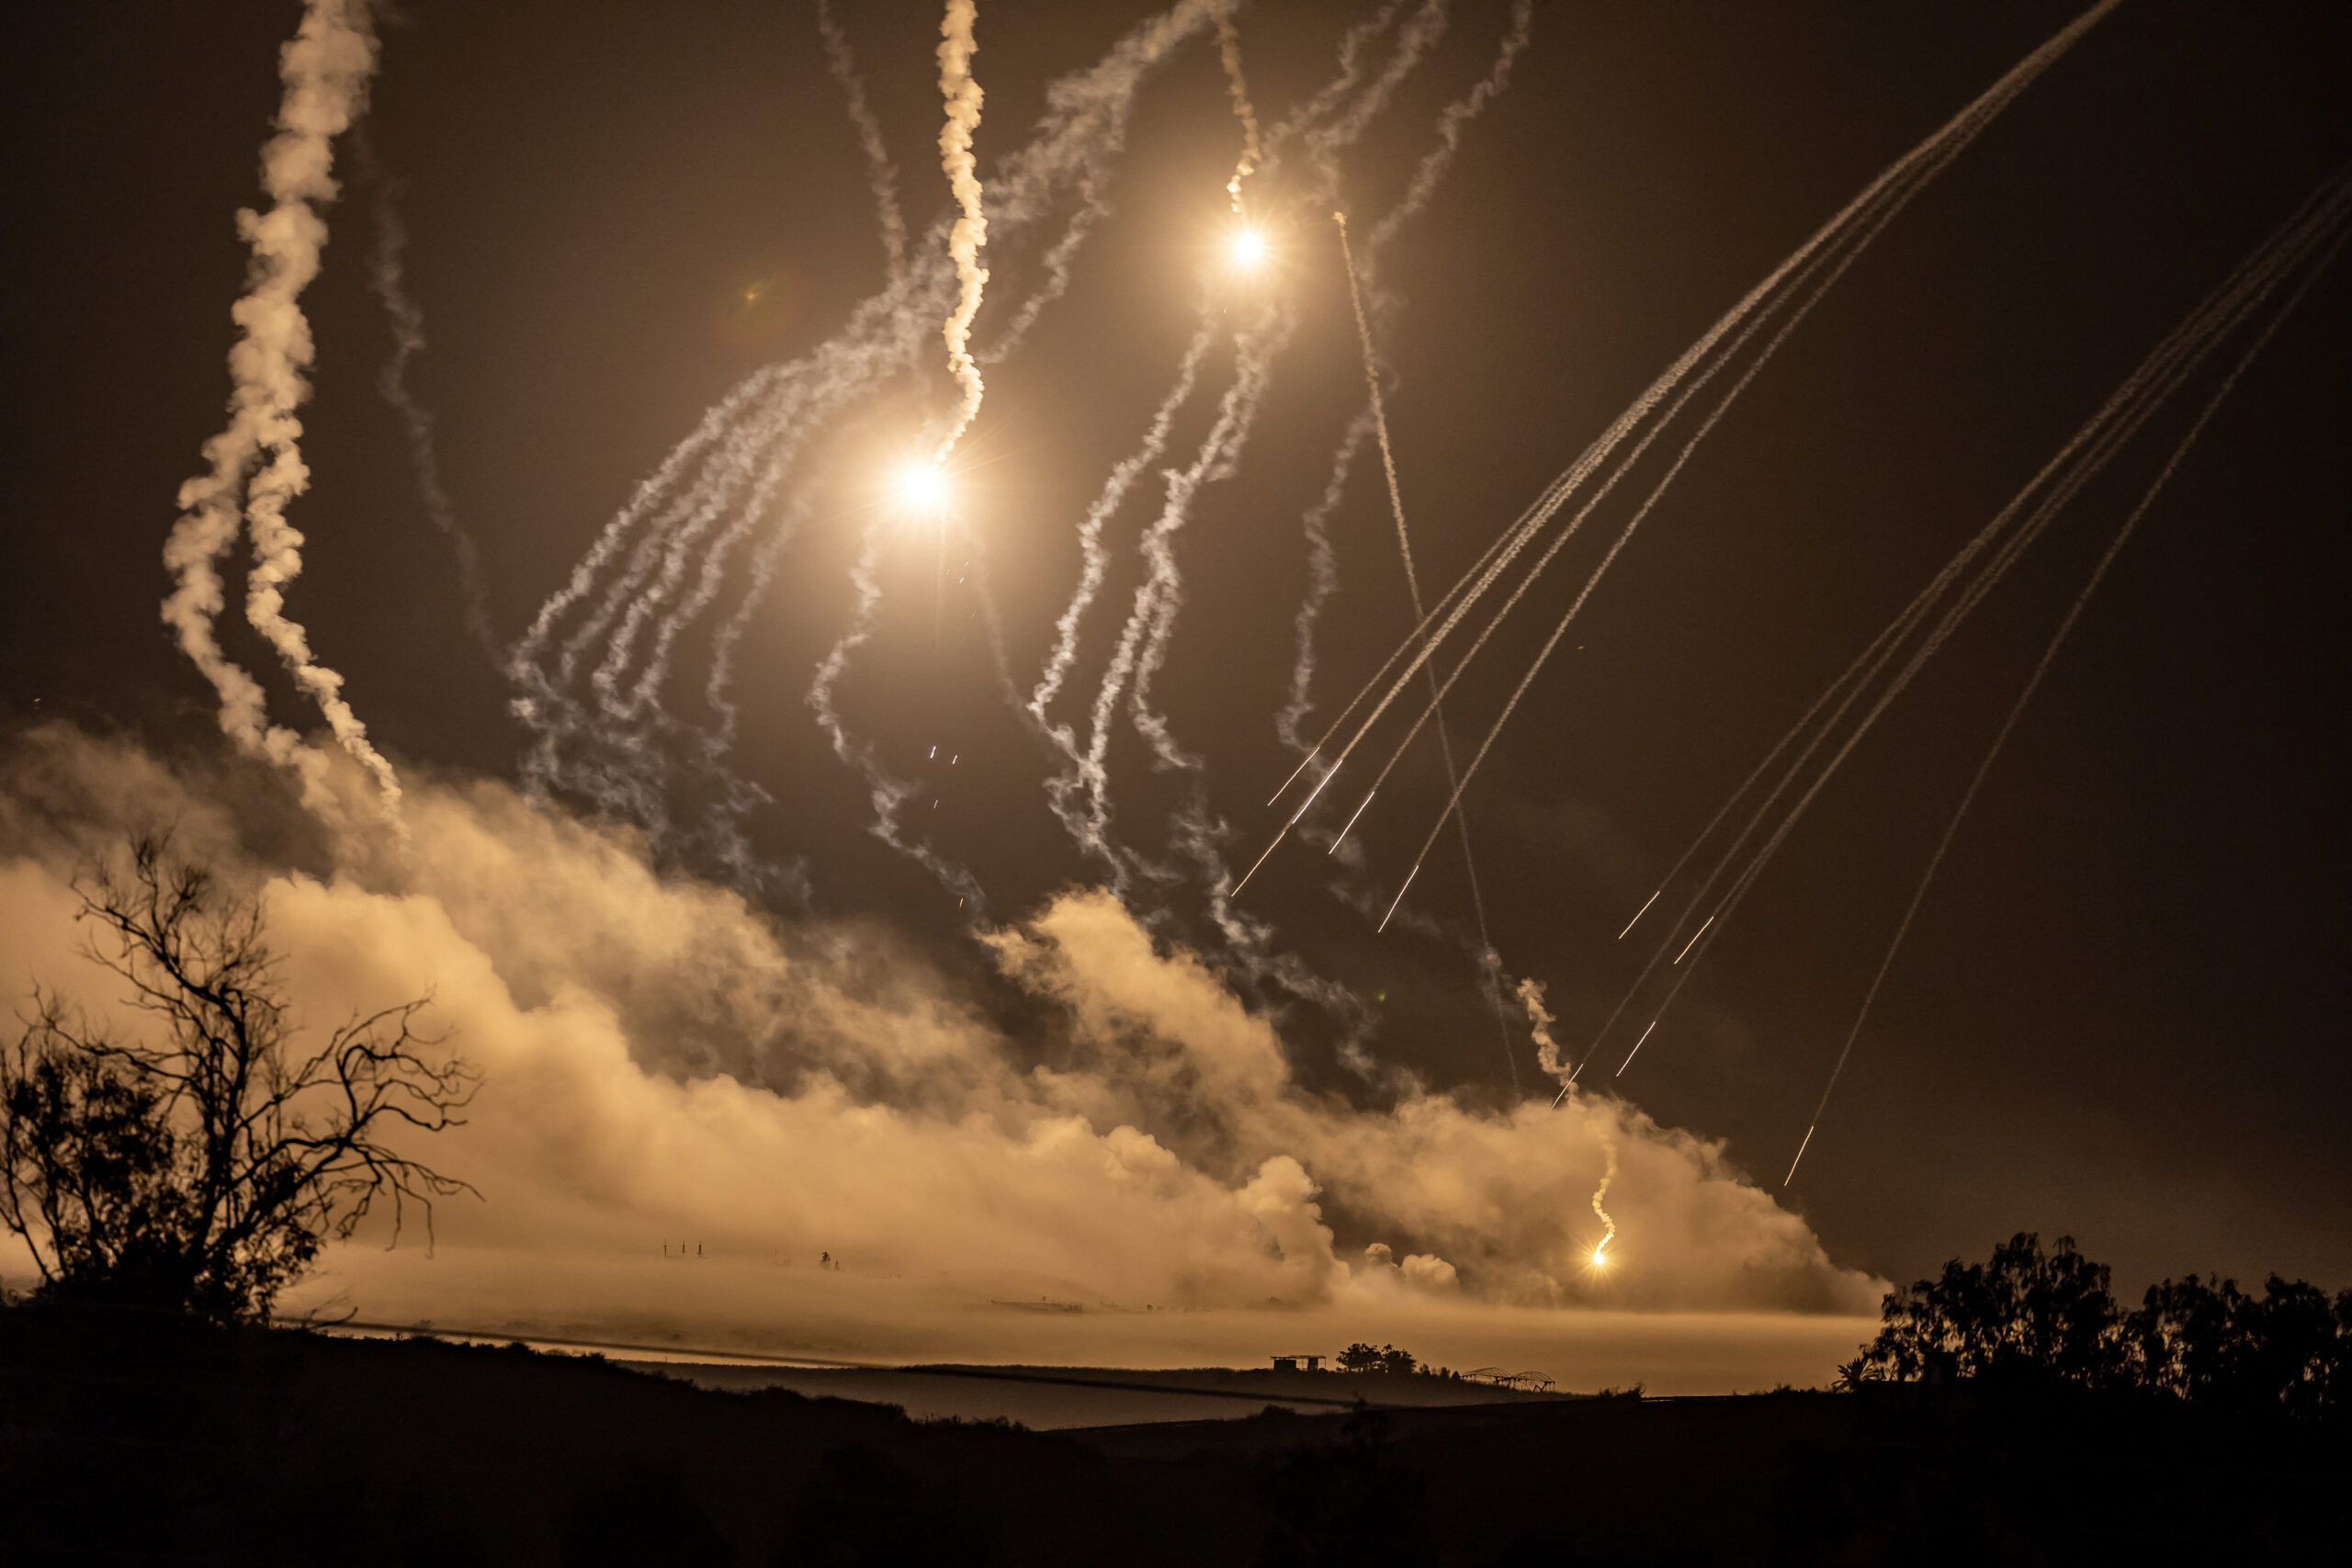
2121, 1012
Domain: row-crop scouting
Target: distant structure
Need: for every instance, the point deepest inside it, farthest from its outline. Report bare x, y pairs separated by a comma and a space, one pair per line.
1298, 1363
1525, 1382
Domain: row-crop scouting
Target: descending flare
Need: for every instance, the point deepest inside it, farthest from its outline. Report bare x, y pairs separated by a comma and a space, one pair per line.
1228, 47
1609, 1226
924, 487
962, 96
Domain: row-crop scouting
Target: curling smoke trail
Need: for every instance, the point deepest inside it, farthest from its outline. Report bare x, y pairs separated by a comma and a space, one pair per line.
387, 275
1451, 124
972, 231
1322, 582
1143, 642
1323, 578
2033, 682
884, 793
881, 175
728, 467
1228, 49
1093, 558
1323, 566
1538, 1025
256, 460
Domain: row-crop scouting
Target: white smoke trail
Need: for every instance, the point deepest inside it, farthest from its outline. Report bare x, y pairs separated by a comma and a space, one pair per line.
881, 174
325, 69
972, 231
1143, 641
1352, 43
1322, 582
1426, 176
1431, 170
1077, 141
1094, 557
1539, 1024
1228, 46
1142, 645
1142, 649
387, 276
886, 794
1325, 141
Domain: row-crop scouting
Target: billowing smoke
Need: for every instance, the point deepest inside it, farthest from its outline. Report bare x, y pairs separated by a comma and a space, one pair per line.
256, 468
664, 1061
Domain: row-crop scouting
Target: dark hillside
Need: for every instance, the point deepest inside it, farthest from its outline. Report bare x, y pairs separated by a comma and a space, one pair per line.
142, 1439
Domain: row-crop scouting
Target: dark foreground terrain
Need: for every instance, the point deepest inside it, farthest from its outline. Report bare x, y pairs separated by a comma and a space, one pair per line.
149, 1440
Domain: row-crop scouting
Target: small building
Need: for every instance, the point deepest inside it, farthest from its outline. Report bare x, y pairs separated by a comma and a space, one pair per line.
1298, 1363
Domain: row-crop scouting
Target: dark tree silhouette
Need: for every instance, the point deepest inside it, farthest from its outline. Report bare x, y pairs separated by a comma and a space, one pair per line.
1363, 1358
2025, 1314
2209, 1341
198, 1164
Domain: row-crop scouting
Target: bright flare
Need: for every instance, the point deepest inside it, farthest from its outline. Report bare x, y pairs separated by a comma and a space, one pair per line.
1248, 248
924, 485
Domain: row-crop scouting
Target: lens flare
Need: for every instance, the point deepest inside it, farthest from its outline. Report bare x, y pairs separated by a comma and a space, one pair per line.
1248, 248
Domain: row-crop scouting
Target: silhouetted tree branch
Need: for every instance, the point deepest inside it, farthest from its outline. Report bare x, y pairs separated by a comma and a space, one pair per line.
201, 1165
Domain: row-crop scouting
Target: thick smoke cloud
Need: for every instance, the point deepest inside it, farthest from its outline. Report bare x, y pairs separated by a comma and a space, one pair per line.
666, 1065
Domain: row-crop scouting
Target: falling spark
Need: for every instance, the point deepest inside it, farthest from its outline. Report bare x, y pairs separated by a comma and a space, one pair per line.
1261, 861
962, 96
1637, 916
1638, 1047
1229, 48
1351, 824
1293, 773
1694, 939
1800, 1159
1398, 899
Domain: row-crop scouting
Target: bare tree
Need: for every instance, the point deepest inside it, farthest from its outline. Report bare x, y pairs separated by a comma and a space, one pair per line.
200, 1164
